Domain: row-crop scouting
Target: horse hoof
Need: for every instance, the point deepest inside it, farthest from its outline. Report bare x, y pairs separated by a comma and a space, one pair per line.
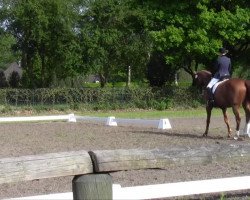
204, 135
236, 138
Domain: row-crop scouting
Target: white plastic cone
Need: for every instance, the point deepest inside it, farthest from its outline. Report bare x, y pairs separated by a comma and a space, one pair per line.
111, 121
72, 118
164, 124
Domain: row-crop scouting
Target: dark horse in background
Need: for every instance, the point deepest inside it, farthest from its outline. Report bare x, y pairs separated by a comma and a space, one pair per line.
230, 93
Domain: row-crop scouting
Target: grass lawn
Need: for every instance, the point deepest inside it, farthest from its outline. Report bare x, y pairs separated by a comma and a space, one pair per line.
131, 113
154, 114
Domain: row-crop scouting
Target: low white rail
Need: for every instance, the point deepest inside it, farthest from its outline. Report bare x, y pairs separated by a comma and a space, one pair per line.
110, 121
69, 117
164, 190
121, 121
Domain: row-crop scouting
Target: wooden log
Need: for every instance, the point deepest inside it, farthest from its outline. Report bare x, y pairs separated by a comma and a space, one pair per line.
77, 163
33, 167
92, 187
116, 160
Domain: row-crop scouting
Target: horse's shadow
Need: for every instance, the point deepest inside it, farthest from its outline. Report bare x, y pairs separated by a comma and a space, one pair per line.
183, 135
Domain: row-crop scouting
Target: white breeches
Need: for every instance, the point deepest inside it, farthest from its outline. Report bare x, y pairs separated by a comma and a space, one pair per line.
212, 82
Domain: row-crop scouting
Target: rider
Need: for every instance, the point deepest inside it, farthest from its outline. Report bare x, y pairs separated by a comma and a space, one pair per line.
223, 70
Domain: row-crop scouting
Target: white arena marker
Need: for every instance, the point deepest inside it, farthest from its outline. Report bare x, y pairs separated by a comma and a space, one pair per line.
111, 121
72, 118
164, 124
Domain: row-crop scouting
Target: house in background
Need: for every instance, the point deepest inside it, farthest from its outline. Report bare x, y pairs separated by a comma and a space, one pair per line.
15, 66
92, 79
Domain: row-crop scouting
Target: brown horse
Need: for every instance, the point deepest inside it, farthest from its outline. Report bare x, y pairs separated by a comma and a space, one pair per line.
231, 93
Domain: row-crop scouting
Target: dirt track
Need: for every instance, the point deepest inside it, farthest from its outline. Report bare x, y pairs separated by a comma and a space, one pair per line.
38, 138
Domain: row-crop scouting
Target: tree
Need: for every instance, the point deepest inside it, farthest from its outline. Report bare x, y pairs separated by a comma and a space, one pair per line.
113, 38
7, 52
190, 33
159, 72
7, 41
45, 36
3, 80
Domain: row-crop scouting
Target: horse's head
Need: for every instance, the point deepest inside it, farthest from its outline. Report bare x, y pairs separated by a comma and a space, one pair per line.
202, 78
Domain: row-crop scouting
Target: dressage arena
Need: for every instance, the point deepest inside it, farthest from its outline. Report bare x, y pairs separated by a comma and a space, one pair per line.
33, 138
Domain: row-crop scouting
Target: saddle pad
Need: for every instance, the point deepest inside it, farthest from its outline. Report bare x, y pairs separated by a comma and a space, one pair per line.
217, 84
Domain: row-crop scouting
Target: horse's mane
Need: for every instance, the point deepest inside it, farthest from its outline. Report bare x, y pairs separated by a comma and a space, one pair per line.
206, 71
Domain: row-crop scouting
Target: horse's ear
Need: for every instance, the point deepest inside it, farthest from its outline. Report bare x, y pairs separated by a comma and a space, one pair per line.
195, 74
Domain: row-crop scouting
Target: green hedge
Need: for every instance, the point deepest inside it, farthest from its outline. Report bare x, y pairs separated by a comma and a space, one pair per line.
104, 98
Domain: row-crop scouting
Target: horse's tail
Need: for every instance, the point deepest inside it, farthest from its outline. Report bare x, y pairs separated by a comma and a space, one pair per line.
247, 84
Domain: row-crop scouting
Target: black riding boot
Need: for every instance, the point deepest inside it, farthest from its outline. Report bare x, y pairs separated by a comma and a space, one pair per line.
210, 97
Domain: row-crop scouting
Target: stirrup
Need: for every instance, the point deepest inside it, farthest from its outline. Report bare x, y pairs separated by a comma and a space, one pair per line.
210, 102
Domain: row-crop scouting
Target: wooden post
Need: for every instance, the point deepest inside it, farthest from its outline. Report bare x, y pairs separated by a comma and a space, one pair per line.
129, 76
92, 186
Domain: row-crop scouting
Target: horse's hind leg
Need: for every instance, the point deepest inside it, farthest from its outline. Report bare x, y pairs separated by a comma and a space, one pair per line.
246, 106
224, 110
237, 118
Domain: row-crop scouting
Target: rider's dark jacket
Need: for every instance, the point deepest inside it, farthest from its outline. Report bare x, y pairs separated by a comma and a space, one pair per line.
223, 67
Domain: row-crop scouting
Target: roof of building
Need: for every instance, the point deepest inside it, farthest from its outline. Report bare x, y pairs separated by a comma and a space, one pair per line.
13, 67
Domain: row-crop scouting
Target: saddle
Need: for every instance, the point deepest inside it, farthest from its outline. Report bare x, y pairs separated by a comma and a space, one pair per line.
217, 84
211, 92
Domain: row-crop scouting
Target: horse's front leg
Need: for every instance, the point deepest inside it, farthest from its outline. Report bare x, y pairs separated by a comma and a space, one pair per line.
209, 110
229, 130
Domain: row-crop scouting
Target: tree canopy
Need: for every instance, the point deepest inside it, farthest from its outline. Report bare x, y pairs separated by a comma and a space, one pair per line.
194, 31
65, 39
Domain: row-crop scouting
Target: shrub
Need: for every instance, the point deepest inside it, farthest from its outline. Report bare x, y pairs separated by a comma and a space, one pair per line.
104, 98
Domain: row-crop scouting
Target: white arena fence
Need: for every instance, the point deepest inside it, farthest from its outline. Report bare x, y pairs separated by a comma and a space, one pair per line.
69, 118
163, 190
110, 121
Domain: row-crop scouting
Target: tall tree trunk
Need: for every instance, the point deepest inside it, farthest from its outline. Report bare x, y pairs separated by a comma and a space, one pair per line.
102, 80
30, 71
129, 76
43, 71
188, 68
42, 56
